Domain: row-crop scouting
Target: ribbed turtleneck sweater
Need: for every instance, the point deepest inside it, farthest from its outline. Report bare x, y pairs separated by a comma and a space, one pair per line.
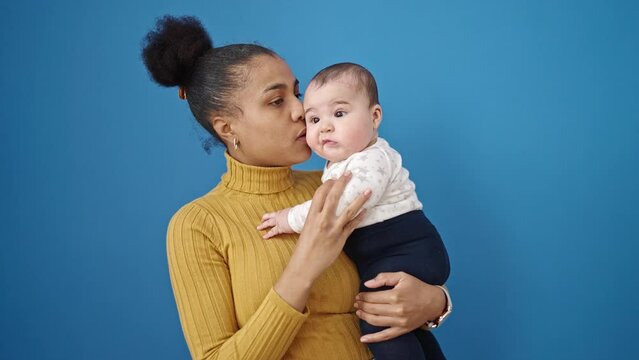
223, 272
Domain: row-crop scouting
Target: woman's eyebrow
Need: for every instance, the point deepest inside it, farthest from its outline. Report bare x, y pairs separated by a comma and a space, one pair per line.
279, 86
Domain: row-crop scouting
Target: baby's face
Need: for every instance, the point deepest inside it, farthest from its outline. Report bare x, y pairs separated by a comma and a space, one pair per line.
339, 119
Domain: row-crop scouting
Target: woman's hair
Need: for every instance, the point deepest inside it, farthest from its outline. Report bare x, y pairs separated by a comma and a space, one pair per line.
179, 52
363, 78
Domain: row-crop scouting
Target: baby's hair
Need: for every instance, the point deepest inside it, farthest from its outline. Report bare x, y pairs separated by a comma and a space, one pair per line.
360, 74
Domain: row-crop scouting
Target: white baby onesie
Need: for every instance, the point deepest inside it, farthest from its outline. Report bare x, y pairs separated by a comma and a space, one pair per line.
379, 168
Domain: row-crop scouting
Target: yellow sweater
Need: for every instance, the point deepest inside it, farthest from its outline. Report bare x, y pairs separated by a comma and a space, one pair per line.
223, 272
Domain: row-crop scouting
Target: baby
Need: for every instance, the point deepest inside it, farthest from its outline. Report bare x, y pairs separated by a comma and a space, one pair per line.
342, 118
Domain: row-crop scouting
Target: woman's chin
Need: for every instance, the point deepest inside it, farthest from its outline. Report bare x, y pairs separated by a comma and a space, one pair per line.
298, 154
305, 153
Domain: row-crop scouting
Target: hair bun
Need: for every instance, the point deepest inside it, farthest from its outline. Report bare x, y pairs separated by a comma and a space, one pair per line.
171, 49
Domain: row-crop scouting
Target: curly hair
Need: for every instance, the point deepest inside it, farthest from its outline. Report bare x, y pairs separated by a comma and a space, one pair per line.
179, 52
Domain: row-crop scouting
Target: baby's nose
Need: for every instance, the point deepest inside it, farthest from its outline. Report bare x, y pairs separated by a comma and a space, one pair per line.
326, 126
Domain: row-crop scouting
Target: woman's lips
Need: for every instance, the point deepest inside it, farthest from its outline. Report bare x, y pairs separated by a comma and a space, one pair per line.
301, 136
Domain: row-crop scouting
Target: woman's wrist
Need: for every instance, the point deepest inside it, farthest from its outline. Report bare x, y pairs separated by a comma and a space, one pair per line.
445, 299
294, 287
297, 279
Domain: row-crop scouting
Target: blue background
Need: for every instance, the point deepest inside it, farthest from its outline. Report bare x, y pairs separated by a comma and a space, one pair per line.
519, 122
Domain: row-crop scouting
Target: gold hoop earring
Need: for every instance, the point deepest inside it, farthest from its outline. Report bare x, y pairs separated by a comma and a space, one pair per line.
235, 144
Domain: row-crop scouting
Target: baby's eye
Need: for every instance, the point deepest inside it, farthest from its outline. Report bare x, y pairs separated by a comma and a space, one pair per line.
340, 113
313, 120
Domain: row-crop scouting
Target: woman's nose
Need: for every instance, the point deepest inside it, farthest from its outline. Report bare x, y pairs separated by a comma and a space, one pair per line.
297, 112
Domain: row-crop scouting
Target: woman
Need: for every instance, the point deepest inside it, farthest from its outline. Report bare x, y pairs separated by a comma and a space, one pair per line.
240, 296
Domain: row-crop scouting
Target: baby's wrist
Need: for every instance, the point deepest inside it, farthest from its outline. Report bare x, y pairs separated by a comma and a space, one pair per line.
283, 214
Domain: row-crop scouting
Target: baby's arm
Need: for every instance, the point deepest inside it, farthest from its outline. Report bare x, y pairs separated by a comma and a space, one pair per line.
371, 170
286, 221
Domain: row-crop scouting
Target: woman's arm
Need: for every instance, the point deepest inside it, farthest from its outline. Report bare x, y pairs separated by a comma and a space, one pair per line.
408, 305
320, 242
202, 285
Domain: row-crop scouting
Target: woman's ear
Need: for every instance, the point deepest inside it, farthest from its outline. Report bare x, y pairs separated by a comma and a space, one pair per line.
377, 115
222, 126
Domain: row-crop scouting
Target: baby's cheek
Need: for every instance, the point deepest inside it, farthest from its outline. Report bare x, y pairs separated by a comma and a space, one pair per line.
311, 140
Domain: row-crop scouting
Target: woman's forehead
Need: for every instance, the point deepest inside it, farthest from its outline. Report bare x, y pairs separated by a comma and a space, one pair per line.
269, 72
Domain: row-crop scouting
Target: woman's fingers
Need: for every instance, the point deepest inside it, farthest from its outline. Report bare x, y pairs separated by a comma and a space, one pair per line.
378, 309
332, 198
350, 226
384, 279
378, 297
319, 198
354, 207
378, 320
386, 334
396, 326
323, 236
411, 302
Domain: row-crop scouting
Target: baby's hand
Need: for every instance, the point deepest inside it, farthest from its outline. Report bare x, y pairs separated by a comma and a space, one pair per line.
278, 221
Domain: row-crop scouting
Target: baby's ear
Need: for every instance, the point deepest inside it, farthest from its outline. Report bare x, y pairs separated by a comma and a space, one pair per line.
377, 115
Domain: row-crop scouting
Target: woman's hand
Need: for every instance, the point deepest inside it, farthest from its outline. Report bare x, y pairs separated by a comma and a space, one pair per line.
321, 240
324, 234
404, 308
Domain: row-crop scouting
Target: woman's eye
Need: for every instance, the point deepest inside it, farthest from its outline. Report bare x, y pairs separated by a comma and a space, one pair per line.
277, 102
339, 113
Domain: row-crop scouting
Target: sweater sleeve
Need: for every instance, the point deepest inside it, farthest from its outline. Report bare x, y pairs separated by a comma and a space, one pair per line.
204, 296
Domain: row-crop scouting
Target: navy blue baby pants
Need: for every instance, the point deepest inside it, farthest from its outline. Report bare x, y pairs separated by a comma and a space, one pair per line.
409, 243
